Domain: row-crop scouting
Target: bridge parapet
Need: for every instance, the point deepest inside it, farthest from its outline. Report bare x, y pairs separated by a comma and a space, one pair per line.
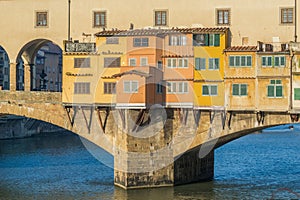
30, 97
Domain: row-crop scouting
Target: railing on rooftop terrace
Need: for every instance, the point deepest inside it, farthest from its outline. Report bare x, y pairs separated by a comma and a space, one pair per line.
294, 46
80, 47
273, 47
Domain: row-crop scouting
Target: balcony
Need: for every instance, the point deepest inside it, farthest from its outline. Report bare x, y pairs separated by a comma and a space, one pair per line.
79, 47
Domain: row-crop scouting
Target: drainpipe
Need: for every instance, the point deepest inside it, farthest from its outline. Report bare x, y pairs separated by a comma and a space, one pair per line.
69, 20
295, 20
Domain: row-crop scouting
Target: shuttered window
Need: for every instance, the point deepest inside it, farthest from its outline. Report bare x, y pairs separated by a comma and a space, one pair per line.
275, 89
112, 62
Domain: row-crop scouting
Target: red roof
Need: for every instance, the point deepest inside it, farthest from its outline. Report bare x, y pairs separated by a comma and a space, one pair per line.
242, 48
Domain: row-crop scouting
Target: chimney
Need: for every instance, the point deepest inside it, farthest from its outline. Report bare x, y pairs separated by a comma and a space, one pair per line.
131, 26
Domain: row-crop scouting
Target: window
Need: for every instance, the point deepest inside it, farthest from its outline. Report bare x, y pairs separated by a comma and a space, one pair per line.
171, 62
177, 62
131, 86
266, 61
143, 61
200, 63
100, 19
81, 63
159, 64
273, 61
239, 89
214, 63
182, 63
240, 61
132, 61
109, 88
112, 40
223, 17
81, 88
112, 62
41, 19
275, 89
159, 88
160, 18
177, 87
296, 93
206, 40
279, 61
140, 42
209, 90
177, 40
287, 15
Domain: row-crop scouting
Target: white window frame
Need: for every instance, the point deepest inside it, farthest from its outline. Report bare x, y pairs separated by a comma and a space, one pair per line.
132, 62
210, 90
143, 61
132, 88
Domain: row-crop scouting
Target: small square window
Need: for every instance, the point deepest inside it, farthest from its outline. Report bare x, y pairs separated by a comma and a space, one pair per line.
100, 19
160, 18
223, 17
287, 15
41, 19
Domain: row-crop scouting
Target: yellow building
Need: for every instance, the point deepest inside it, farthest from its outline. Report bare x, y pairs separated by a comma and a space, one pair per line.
240, 78
209, 44
273, 77
80, 63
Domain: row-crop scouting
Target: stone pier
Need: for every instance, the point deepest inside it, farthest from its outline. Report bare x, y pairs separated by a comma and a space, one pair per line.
144, 153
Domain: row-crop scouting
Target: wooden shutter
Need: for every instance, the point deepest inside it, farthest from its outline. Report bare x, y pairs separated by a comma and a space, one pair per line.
217, 40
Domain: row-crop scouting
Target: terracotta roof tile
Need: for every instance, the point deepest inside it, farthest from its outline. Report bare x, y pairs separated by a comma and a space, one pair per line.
154, 32
242, 48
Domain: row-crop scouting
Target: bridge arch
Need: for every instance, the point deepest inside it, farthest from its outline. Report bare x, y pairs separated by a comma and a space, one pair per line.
39, 66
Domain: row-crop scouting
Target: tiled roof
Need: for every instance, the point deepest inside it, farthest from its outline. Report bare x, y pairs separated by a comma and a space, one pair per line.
241, 48
154, 32
136, 72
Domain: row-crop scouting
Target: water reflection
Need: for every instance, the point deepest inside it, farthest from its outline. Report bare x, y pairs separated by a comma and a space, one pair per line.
57, 166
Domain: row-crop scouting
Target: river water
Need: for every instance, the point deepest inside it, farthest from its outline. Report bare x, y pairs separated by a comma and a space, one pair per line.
57, 166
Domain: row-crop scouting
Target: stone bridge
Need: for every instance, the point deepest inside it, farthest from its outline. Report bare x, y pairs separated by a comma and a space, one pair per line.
151, 148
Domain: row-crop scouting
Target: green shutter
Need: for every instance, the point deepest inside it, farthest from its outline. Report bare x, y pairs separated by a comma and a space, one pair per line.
197, 63
272, 81
217, 40
278, 81
296, 93
217, 63
235, 89
213, 90
231, 61
249, 61
211, 63
276, 61
202, 63
211, 39
282, 61
271, 91
269, 62
205, 90
278, 90
243, 61
263, 61
243, 89
237, 61
206, 39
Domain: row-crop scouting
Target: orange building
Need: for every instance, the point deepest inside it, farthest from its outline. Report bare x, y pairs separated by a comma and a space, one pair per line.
178, 59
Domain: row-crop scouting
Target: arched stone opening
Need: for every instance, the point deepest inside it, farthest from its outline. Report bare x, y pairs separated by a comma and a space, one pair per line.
39, 67
4, 69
